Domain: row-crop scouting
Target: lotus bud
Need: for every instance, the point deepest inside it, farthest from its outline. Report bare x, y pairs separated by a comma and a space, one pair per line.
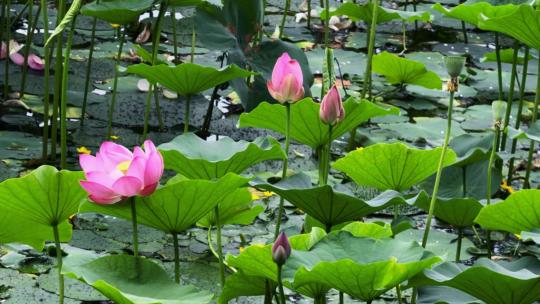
287, 84
332, 111
454, 65
281, 250
498, 109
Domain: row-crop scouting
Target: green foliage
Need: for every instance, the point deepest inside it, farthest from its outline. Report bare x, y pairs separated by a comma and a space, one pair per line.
306, 126
235, 208
491, 282
126, 280
33, 204
188, 78
401, 71
176, 206
364, 12
471, 13
458, 212
194, 157
519, 212
392, 166
116, 11
71, 14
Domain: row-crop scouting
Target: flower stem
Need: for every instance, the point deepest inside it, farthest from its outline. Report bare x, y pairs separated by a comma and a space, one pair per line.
534, 117
134, 225
29, 35
284, 18
280, 285
186, 113
193, 41
122, 35
63, 103
147, 107
88, 70
499, 65
46, 94
57, 80
58, 250
510, 94
8, 37
175, 42
327, 25
489, 170
519, 112
285, 165
439, 171
219, 247
398, 293
458, 244
176, 258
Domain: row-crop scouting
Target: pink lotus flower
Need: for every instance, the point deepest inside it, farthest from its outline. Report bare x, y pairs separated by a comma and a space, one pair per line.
332, 110
281, 250
34, 62
287, 84
116, 173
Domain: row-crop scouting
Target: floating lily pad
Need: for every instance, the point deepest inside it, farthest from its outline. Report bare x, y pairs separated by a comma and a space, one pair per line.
125, 280
402, 71
513, 282
194, 157
392, 166
310, 130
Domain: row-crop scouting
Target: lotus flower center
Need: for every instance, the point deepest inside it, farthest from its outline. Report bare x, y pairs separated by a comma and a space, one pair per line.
124, 166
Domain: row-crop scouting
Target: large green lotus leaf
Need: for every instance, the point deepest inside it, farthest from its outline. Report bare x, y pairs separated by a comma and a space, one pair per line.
519, 212
239, 284
184, 2
372, 230
520, 22
401, 71
256, 262
195, 158
364, 268
471, 148
364, 12
306, 126
533, 235
471, 13
444, 295
392, 166
117, 11
188, 78
328, 206
494, 283
532, 133
33, 204
176, 206
235, 208
117, 278
458, 212
507, 56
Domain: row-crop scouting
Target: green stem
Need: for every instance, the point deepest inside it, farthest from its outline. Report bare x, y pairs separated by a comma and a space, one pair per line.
510, 93
285, 165
175, 42
158, 110
309, 14
499, 65
176, 258
187, 101
122, 35
193, 41
284, 18
46, 94
280, 285
464, 180
219, 247
398, 293
57, 80
458, 245
59, 263
8, 37
489, 170
327, 24
439, 171
134, 226
88, 70
519, 112
267, 292
147, 112
63, 104
29, 35
534, 117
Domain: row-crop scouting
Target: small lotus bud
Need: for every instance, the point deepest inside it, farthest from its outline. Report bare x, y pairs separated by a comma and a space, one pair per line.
281, 250
332, 110
454, 65
498, 109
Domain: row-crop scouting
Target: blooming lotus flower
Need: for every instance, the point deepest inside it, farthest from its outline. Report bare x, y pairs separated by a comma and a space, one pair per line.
287, 84
281, 250
35, 63
115, 173
332, 110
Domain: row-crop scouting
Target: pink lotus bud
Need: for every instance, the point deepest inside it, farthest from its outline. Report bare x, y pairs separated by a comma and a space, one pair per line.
3, 50
332, 110
281, 250
287, 84
35, 63
116, 173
